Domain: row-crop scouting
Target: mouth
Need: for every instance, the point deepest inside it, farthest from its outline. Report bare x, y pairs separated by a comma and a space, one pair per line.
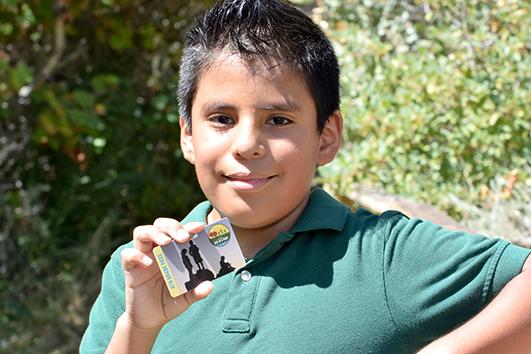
248, 182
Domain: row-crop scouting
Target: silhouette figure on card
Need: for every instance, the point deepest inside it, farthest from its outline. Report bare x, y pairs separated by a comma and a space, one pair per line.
202, 274
224, 267
187, 263
194, 252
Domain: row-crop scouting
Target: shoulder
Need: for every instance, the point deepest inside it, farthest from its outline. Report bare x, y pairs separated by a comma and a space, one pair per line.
366, 222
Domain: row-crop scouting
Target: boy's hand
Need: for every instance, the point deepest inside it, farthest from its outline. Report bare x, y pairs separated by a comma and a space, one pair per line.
148, 303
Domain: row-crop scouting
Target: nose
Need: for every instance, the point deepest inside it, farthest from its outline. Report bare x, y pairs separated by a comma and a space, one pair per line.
249, 141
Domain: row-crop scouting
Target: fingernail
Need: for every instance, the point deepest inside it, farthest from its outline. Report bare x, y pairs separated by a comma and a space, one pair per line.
162, 239
146, 260
174, 235
204, 287
195, 225
182, 235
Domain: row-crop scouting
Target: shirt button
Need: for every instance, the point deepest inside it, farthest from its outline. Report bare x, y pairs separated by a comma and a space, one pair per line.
245, 275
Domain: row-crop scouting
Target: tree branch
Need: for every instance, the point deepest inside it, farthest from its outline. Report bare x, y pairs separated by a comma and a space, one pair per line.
58, 48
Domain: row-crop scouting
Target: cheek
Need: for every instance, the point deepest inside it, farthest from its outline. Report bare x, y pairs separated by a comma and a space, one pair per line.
209, 147
300, 151
299, 160
205, 160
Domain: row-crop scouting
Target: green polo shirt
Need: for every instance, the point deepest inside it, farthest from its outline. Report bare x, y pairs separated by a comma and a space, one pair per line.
339, 281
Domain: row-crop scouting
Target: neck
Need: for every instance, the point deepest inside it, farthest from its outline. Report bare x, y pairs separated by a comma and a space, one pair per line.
252, 240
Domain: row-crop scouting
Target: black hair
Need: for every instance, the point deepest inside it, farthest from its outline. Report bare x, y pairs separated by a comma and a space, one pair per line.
261, 30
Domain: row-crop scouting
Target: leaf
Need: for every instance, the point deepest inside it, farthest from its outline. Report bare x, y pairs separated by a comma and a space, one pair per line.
85, 120
20, 75
54, 125
122, 37
48, 123
103, 82
51, 99
3, 66
27, 16
85, 99
10, 3
6, 29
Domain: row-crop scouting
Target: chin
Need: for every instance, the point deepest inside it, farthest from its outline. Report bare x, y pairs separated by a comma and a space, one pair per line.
244, 215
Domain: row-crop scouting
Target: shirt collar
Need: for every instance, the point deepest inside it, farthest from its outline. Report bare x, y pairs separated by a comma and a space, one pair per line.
321, 212
199, 213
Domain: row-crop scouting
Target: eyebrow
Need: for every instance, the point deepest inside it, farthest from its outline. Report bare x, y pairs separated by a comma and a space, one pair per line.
274, 106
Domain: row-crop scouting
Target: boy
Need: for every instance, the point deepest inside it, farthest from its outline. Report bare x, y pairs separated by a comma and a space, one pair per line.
259, 101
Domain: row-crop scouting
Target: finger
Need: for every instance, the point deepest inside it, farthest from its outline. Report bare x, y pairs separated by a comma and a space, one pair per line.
179, 232
199, 292
194, 227
185, 234
175, 307
131, 258
171, 227
145, 236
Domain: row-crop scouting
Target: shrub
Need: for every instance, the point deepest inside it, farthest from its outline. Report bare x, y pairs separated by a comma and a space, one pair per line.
89, 147
435, 96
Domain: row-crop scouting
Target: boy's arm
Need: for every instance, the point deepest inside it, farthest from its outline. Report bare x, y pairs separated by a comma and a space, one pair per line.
127, 339
503, 326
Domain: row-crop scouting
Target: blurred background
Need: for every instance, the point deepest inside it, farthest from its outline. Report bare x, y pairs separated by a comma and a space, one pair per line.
435, 96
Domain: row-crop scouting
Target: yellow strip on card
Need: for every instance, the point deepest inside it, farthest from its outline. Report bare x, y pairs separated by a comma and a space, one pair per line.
166, 272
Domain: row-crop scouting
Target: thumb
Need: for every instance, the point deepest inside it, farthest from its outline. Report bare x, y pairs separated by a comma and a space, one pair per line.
199, 292
183, 302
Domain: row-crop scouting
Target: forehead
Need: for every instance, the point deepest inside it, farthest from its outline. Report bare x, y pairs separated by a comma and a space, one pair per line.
230, 78
267, 68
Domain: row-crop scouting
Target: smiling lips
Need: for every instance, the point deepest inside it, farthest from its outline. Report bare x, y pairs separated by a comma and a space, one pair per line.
247, 182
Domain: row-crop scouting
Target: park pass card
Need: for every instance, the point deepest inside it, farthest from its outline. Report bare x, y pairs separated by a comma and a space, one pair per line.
211, 253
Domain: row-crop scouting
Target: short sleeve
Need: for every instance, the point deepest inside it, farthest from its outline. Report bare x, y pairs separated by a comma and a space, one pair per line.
437, 279
109, 306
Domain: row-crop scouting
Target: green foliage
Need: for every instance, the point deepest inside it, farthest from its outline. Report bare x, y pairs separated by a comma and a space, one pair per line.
435, 96
89, 148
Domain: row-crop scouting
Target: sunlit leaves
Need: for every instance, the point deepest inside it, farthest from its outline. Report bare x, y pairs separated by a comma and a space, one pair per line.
435, 95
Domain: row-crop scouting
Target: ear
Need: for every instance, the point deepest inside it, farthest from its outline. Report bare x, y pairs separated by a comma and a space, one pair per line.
187, 145
330, 140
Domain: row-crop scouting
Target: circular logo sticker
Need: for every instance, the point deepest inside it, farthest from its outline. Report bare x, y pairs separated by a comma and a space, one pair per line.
219, 235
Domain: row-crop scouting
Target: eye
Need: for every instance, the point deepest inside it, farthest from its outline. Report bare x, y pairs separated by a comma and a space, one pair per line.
279, 121
221, 120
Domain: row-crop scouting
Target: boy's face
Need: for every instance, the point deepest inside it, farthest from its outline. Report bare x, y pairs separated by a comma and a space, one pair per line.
254, 141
